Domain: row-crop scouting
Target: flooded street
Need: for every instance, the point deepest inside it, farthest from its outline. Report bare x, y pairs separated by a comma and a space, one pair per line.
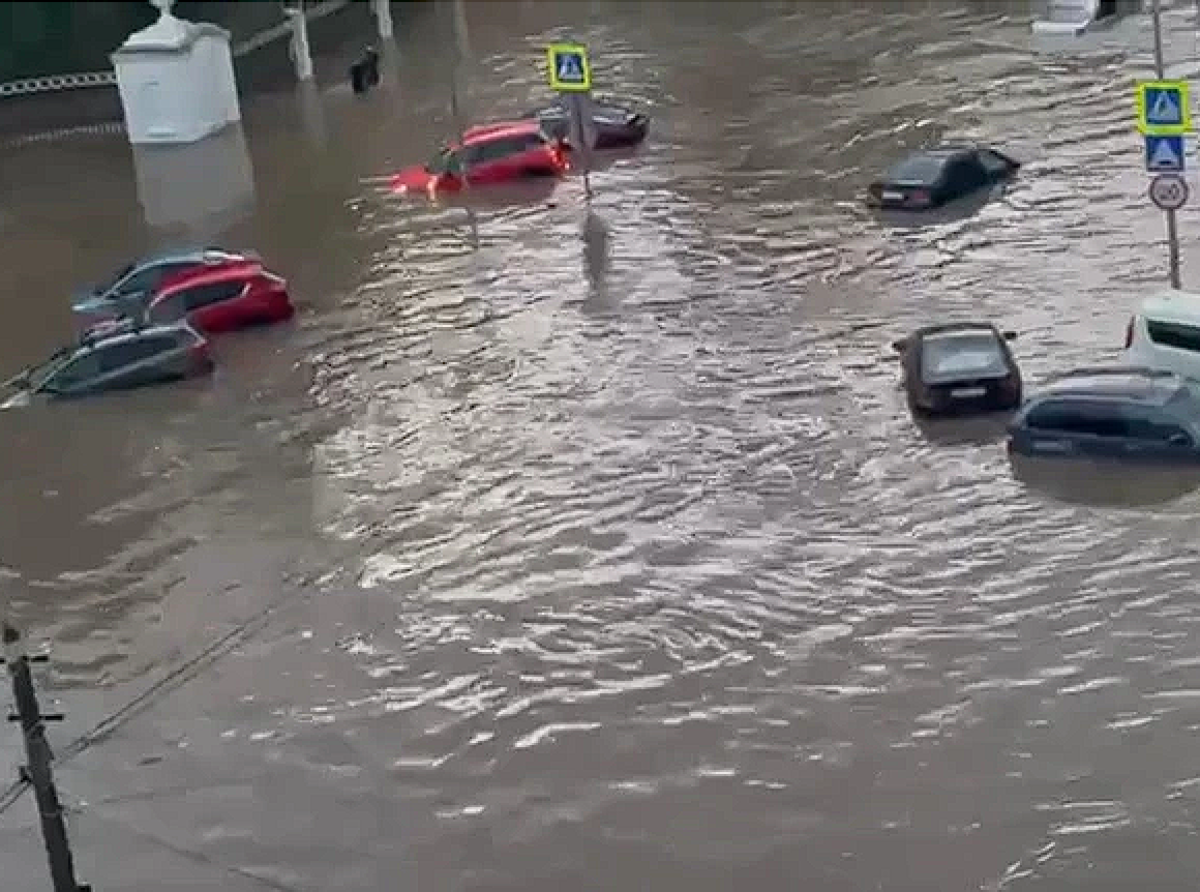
597, 550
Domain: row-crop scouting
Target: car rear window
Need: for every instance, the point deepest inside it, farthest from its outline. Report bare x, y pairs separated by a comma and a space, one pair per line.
959, 355
1174, 334
1072, 418
918, 169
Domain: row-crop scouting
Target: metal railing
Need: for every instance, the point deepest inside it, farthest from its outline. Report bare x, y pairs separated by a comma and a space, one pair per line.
54, 83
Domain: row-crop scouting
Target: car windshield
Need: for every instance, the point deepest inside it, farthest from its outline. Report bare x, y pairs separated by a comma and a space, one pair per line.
37, 376
917, 169
113, 280
961, 355
445, 161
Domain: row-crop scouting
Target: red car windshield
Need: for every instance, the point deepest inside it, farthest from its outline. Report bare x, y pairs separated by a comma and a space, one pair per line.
445, 161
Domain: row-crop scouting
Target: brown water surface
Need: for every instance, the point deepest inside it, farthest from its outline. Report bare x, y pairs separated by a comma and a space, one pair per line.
611, 557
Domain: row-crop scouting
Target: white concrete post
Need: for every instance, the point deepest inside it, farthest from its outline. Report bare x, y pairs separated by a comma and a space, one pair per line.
298, 47
176, 80
383, 16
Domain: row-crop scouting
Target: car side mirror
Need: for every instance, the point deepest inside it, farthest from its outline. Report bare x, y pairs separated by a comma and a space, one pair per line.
1179, 439
1010, 336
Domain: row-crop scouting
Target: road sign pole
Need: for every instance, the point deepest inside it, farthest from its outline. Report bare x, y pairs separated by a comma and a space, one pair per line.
1160, 71
570, 73
38, 772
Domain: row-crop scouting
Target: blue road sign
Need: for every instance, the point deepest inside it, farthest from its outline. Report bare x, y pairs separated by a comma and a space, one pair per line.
569, 69
1163, 108
1165, 154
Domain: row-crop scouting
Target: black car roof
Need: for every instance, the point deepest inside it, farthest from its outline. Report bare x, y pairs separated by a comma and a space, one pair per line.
1118, 384
951, 327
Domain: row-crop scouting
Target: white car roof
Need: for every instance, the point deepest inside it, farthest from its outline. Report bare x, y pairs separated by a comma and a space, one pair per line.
1172, 306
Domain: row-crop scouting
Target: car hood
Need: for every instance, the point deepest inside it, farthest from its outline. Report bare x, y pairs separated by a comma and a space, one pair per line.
18, 400
87, 299
411, 179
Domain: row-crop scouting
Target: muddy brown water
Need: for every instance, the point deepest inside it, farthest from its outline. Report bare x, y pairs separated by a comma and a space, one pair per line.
608, 555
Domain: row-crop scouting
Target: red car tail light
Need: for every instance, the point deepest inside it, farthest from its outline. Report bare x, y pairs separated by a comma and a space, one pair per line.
1129, 333
918, 197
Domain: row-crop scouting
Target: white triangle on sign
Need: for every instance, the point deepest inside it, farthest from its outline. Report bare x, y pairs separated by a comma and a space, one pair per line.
1164, 157
1165, 110
569, 68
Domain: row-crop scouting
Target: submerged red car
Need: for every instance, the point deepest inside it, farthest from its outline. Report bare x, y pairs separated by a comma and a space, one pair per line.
494, 153
217, 299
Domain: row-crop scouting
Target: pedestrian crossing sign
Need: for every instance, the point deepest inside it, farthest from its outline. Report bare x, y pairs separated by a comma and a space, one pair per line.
568, 68
1163, 108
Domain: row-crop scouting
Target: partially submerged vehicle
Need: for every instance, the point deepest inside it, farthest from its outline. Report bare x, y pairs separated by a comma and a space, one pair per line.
217, 298
124, 356
933, 177
135, 282
1115, 412
959, 368
492, 153
1164, 333
616, 126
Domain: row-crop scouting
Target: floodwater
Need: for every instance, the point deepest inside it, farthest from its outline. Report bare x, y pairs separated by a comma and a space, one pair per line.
595, 549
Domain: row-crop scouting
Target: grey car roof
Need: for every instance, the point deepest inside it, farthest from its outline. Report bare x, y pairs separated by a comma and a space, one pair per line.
1118, 384
955, 328
193, 255
134, 334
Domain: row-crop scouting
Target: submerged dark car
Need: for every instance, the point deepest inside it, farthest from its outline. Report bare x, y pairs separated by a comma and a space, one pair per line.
120, 358
936, 176
1120, 412
616, 126
959, 368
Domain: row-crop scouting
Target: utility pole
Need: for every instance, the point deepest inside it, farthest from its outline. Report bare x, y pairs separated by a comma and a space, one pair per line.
38, 772
1160, 71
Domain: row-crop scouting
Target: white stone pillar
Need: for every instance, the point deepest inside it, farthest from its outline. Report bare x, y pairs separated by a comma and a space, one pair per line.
298, 47
383, 16
176, 80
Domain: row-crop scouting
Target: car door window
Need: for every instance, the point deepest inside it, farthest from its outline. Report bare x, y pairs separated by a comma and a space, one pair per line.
126, 353
499, 149
1149, 427
1174, 334
1077, 418
169, 309
206, 295
533, 142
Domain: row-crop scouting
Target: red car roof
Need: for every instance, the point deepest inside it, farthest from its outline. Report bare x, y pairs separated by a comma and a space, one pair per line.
500, 130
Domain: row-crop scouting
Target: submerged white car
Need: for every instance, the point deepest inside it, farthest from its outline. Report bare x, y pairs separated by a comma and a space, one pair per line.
1164, 334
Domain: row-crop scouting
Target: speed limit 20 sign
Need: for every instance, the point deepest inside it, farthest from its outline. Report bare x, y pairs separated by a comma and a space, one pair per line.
1169, 191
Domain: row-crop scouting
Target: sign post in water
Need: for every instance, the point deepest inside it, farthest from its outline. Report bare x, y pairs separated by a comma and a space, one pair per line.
570, 74
1164, 118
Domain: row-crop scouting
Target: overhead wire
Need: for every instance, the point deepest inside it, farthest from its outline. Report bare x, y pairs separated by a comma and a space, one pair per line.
177, 677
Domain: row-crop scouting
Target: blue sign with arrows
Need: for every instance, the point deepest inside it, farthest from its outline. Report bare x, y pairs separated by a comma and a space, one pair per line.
1165, 154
